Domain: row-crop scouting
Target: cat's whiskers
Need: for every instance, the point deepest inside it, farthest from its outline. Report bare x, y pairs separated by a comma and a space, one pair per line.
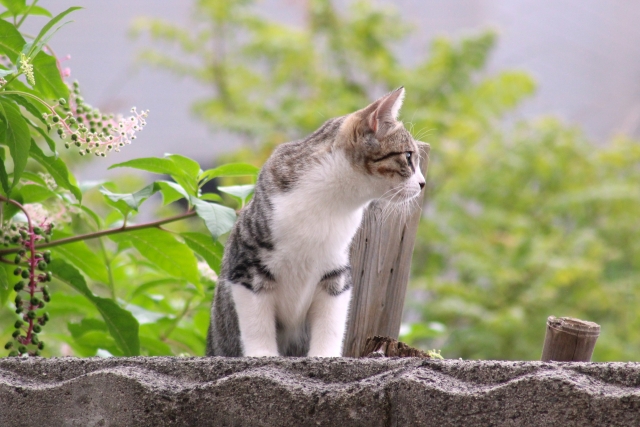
405, 210
400, 186
391, 206
411, 126
402, 209
422, 133
397, 189
414, 202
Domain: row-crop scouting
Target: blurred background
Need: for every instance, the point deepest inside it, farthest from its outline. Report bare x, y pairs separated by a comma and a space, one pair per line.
582, 56
530, 107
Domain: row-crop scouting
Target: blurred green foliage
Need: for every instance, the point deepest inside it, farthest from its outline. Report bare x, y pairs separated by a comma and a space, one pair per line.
524, 218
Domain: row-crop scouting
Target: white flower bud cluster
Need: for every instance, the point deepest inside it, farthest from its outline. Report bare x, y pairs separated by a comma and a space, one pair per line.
86, 128
27, 68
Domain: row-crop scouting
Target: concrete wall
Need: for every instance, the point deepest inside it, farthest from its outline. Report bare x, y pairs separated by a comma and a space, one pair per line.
304, 392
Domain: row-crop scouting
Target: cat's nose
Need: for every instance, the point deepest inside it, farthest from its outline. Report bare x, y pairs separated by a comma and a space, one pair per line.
422, 183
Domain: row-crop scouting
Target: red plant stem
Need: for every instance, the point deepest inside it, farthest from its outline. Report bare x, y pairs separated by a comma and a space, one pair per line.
32, 280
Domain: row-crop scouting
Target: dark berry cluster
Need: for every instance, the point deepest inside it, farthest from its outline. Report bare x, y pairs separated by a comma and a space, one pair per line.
19, 235
32, 293
85, 127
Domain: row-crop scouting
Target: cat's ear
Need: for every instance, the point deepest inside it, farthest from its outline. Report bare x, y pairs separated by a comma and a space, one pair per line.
382, 115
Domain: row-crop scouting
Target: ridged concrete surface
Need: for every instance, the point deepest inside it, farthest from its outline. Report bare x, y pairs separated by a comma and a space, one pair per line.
342, 392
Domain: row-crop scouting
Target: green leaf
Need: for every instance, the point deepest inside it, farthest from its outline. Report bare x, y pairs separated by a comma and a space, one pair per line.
163, 250
50, 142
14, 133
34, 193
112, 218
94, 216
155, 347
4, 177
190, 338
122, 326
90, 335
49, 82
39, 11
47, 31
30, 176
209, 249
11, 41
131, 201
6, 282
151, 164
57, 169
88, 344
86, 325
14, 7
239, 191
218, 219
79, 254
189, 167
142, 289
212, 197
4, 73
35, 108
9, 209
120, 206
25, 101
32, 49
231, 169
166, 166
4, 278
171, 192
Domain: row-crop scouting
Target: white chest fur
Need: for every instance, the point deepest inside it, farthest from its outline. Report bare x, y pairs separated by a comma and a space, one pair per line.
312, 228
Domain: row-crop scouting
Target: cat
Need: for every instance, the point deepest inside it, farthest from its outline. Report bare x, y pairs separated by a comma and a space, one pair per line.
285, 283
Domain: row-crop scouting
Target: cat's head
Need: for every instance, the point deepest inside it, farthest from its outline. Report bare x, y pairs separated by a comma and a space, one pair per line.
379, 147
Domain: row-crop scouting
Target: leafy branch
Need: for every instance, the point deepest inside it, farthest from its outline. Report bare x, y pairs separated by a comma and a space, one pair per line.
101, 233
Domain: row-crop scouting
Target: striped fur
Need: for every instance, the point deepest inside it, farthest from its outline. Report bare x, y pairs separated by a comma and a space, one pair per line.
285, 283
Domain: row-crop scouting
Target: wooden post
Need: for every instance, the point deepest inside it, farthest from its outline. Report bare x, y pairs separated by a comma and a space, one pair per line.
569, 340
380, 263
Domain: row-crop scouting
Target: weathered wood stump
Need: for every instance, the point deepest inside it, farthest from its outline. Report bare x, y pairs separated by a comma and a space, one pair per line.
569, 340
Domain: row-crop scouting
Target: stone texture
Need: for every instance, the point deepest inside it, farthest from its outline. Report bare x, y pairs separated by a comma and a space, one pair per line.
157, 391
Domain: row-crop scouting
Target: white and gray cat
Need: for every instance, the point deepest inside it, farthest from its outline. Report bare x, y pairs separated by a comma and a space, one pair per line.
285, 283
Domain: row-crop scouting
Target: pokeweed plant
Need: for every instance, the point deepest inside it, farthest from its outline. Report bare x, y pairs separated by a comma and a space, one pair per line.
118, 286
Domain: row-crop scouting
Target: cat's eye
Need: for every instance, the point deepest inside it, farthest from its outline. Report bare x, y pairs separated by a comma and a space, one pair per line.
408, 155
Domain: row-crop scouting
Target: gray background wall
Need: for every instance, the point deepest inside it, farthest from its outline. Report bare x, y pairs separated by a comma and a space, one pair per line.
584, 54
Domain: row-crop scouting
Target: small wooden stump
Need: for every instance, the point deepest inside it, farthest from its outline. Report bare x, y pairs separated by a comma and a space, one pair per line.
569, 340
388, 347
